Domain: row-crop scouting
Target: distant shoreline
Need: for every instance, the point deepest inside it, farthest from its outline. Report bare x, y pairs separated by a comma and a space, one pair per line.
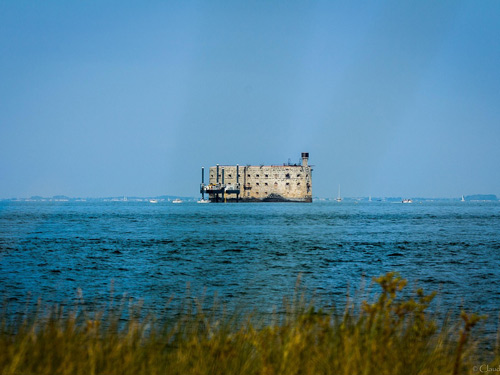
168, 198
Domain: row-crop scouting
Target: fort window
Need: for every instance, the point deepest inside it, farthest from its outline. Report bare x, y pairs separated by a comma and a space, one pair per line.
257, 184
211, 176
266, 176
287, 175
298, 183
256, 193
229, 176
298, 175
265, 183
287, 184
257, 176
248, 175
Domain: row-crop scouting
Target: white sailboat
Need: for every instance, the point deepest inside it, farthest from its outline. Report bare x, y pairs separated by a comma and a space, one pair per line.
339, 199
463, 199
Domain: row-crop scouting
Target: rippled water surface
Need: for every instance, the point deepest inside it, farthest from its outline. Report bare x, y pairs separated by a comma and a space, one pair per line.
247, 253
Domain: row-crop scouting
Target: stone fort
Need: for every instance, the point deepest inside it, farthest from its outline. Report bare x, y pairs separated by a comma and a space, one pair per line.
262, 183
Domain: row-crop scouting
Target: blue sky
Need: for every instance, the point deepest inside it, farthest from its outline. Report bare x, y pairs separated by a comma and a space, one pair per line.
124, 98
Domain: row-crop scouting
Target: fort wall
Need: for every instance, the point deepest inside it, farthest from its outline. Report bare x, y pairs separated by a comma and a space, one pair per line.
265, 183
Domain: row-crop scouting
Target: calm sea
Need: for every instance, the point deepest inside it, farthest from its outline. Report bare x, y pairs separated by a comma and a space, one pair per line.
250, 254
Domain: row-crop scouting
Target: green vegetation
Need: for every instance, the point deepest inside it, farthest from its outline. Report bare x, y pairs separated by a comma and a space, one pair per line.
385, 335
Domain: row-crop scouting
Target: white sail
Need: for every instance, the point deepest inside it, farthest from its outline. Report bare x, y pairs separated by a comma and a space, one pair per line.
339, 199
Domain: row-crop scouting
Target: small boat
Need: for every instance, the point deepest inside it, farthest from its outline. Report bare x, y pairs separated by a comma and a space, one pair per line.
339, 199
463, 199
177, 200
153, 201
407, 201
203, 201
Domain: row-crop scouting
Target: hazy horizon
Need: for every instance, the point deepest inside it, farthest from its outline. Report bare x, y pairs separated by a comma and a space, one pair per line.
195, 197
111, 99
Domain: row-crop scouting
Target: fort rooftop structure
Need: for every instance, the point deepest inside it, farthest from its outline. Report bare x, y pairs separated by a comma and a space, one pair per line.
263, 183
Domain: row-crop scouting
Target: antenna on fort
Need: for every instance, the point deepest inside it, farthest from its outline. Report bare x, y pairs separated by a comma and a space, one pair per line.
202, 185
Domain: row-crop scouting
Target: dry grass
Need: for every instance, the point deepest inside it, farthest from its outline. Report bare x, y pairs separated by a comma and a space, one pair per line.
385, 335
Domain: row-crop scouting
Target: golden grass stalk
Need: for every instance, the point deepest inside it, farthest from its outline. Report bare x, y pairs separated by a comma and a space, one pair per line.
386, 334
